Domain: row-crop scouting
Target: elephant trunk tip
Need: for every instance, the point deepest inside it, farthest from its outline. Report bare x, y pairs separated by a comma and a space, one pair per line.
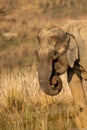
56, 83
52, 87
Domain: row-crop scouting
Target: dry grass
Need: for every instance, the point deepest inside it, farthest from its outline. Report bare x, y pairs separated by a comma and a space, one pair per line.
23, 84
24, 106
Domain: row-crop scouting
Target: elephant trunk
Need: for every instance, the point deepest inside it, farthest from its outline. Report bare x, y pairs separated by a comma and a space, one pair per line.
50, 84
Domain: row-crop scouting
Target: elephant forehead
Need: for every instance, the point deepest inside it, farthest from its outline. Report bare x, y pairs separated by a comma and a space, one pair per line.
43, 33
47, 32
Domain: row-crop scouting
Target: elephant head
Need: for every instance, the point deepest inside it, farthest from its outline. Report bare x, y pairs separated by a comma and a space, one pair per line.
54, 56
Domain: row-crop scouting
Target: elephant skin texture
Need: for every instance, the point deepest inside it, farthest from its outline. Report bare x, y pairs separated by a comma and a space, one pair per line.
62, 49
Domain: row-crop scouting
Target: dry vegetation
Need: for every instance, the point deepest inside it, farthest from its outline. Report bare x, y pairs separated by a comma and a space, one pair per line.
23, 106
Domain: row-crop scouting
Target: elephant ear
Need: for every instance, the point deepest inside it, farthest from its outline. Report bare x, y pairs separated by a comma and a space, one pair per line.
72, 52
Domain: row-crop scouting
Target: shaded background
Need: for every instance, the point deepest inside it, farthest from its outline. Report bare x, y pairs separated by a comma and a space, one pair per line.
20, 21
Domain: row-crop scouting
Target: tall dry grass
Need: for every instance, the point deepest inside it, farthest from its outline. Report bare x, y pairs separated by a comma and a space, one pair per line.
23, 84
24, 106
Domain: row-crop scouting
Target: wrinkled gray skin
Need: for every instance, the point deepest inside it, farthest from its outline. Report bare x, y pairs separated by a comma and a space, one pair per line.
50, 48
60, 50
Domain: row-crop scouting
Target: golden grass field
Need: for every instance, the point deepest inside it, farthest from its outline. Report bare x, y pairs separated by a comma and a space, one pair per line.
23, 105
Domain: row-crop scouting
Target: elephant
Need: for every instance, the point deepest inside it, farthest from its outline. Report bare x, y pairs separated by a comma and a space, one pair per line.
64, 50
47, 59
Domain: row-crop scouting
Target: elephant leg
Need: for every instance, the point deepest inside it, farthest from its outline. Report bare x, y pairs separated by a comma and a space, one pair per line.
84, 83
79, 99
